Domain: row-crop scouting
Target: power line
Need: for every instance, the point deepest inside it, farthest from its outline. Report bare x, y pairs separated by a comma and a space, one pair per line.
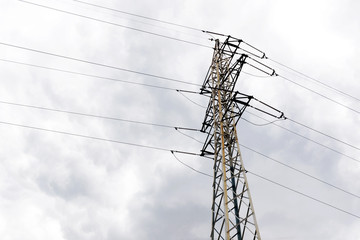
278, 184
172, 151
190, 167
309, 139
147, 22
178, 129
197, 29
140, 16
180, 91
122, 69
305, 195
197, 104
148, 85
288, 166
89, 75
97, 116
324, 134
258, 76
301, 172
98, 138
164, 78
322, 95
98, 64
177, 39
316, 80
261, 125
152, 124
117, 25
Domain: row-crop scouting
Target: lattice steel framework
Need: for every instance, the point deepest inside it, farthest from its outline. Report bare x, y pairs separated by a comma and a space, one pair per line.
233, 215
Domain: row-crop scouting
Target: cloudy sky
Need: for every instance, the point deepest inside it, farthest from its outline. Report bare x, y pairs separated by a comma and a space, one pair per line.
60, 186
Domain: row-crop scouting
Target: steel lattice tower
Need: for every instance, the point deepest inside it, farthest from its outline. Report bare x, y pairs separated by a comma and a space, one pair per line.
233, 215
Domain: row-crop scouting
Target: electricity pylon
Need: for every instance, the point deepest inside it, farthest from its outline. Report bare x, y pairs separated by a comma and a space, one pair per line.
233, 214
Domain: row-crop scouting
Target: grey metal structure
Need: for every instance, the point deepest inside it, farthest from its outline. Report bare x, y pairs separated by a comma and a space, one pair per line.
233, 215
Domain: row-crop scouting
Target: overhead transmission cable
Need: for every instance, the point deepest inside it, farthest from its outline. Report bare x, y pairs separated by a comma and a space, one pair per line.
90, 75
301, 124
160, 77
264, 124
117, 14
298, 134
172, 151
304, 195
177, 39
99, 64
292, 168
320, 94
278, 184
179, 90
197, 29
156, 76
299, 171
140, 16
164, 78
178, 128
98, 138
190, 167
116, 24
97, 116
160, 149
305, 76
255, 75
324, 134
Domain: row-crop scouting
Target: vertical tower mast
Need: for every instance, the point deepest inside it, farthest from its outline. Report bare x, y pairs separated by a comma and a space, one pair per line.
233, 215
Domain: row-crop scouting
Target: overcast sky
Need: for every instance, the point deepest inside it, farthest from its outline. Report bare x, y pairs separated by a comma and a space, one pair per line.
56, 186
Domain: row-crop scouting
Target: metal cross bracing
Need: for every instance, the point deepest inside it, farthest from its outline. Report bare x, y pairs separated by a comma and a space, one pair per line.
233, 215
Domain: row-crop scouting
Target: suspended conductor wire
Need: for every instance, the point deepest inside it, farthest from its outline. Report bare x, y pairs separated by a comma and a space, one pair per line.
322, 95
261, 125
97, 116
98, 138
134, 83
160, 149
292, 168
309, 139
324, 134
139, 16
301, 172
84, 136
116, 24
90, 75
115, 11
278, 184
180, 91
177, 129
98, 64
190, 99
173, 38
304, 195
258, 76
190, 167
316, 80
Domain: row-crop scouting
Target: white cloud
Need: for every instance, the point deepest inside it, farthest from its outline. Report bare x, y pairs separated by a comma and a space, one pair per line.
55, 186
